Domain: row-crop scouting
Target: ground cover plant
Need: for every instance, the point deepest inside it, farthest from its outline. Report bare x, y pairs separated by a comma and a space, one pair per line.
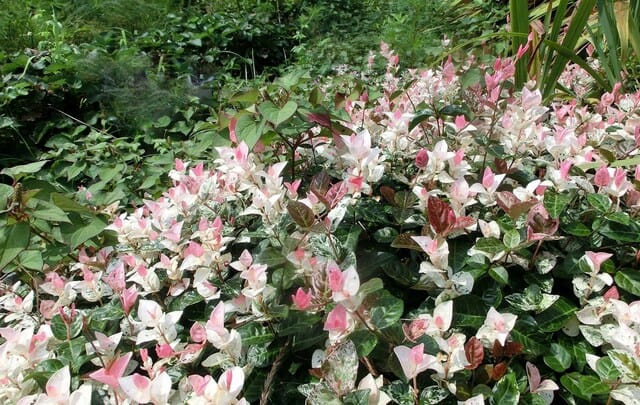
424, 238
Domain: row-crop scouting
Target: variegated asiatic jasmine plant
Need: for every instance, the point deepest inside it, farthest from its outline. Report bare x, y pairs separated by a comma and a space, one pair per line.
439, 243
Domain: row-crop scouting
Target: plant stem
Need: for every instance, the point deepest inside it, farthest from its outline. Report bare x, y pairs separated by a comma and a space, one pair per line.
266, 390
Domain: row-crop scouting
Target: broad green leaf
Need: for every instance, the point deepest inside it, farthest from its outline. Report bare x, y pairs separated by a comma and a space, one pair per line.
277, 115
73, 353
506, 390
13, 240
31, 259
553, 318
419, 117
255, 334
365, 341
18, 172
584, 386
499, 274
558, 359
620, 232
607, 370
48, 211
75, 236
6, 191
577, 229
370, 286
511, 238
188, 298
629, 280
599, 201
555, 203
60, 330
247, 130
68, 205
386, 309
492, 246
271, 256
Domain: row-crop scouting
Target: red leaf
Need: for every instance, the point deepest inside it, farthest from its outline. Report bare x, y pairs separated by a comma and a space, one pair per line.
499, 370
440, 215
474, 352
301, 214
498, 350
324, 120
389, 194
512, 349
512, 205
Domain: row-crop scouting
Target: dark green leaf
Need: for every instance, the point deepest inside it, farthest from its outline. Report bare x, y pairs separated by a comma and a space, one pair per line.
370, 286
584, 386
59, 328
629, 280
599, 201
49, 212
620, 232
13, 240
17, 172
255, 334
555, 203
554, 318
419, 117
385, 235
499, 274
76, 236
277, 115
386, 310
365, 341
607, 370
558, 359
506, 390
184, 300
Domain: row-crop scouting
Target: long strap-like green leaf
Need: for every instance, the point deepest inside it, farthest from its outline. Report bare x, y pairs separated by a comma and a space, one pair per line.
576, 28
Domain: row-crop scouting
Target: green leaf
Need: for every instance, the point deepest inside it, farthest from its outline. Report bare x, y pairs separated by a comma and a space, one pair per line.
18, 172
271, 256
69, 205
73, 353
75, 236
584, 386
553, 318
386, 309
13, 240
48, 211
247, 130
188, 298
555, 203
607, 370
277, 115
620, 232
629, 280
506, 390
255, 334
600, 202
511, 238
558, 359
44, 370
59, 328
453, 110
577, 229
301, 214
31, 259
370, 286
492, 246
419, 117
365, 341
6, 191
499, 274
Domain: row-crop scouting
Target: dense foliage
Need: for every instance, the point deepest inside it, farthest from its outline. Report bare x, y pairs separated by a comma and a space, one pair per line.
197, 222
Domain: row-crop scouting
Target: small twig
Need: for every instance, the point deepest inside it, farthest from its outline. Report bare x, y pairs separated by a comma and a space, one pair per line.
266, 390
